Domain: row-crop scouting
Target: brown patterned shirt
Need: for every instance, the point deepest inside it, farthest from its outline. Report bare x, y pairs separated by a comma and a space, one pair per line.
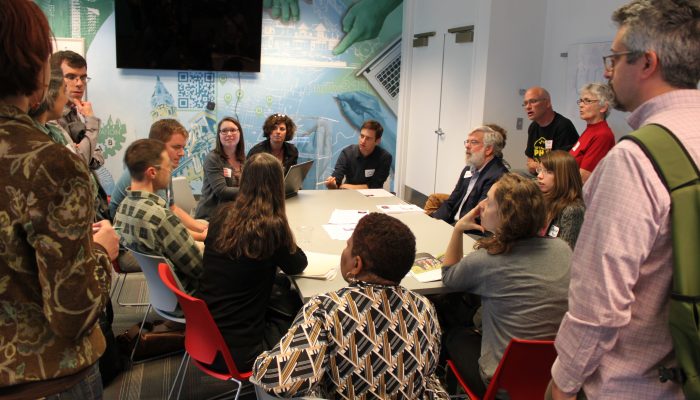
54, 281
361, 342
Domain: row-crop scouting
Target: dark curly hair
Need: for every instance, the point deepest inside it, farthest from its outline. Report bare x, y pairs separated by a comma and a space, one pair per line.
274, 119
386, 246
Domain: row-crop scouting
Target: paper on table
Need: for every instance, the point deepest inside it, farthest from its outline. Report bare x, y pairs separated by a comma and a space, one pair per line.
398, 208
375, 193
346, 216
321, 266
339, 232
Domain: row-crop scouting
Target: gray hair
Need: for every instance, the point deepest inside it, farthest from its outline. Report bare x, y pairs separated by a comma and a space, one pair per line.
670, 28
602, 92
55, 86
493, 139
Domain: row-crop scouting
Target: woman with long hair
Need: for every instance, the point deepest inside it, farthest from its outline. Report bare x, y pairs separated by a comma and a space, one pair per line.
222, 168
521, 277
278, 130
248, 239
560, 182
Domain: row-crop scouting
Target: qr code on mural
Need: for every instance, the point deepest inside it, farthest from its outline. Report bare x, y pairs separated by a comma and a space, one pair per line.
194, 89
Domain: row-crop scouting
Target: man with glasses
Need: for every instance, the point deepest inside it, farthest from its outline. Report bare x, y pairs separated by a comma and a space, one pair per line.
615, 336
483, 149
78, 117
143, 220
363, 165
548, 131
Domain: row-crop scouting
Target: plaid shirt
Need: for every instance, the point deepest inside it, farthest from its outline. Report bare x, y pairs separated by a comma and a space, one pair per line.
146, 225
361, 342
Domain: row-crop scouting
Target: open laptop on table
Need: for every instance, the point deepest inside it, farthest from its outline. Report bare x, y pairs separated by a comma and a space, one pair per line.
295, 177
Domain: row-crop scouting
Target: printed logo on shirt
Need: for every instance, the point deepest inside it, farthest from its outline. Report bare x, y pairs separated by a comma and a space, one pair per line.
538, 148
369, 173
553, 231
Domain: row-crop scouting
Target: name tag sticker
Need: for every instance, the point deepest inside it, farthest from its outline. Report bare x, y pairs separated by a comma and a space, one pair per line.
369, 173
468, 173
548, 144
576, 146
553, 231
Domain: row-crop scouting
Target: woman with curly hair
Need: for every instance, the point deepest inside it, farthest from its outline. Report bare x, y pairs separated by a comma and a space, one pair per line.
521, 277
278, 130
560, 182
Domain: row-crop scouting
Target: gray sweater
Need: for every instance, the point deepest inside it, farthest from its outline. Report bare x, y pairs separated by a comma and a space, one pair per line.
523, 293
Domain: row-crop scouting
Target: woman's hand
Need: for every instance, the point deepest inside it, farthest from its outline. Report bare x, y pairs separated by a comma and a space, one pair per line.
468, 221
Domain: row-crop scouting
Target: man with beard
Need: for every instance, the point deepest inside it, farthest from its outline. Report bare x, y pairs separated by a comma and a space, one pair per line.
484, 167
615, 335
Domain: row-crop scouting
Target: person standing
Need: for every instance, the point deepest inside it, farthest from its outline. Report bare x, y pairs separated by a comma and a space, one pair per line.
55, 263
597, 140
615, 334
548, 131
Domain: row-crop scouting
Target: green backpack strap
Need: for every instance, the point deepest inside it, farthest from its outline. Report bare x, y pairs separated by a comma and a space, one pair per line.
681, 177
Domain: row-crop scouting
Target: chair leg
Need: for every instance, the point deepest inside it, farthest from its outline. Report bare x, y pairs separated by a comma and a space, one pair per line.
138, 336
225, 394
180, 379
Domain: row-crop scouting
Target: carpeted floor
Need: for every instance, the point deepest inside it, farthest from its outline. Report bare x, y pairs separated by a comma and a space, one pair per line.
152, 380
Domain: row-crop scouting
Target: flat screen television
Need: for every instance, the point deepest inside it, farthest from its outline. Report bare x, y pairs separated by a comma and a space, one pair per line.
208, 35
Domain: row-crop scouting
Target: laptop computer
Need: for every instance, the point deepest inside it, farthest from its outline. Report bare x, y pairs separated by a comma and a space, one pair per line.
295, 178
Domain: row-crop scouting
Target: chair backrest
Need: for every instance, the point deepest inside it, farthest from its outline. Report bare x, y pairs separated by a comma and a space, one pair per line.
203, 340
182, 194
162, 299
524, 371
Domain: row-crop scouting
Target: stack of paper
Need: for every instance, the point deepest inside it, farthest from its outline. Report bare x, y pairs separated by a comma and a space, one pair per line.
321, 266
375, 193
342, 223
399, 208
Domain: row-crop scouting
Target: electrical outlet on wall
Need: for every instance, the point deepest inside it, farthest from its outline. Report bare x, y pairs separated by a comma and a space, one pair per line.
519, 124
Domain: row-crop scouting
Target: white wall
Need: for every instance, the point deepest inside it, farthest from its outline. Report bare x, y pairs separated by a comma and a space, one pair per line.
574, 22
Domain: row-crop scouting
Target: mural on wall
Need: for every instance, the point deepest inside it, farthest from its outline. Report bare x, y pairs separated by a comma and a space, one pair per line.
328, 64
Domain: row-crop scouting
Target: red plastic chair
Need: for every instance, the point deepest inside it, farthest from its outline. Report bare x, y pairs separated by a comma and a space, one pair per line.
203, 340
524, 371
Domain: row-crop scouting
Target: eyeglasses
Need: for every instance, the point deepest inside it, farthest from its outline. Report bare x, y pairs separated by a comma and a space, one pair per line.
472, 142
531, 102
610, 60
543, 170
228, 131
72, 77
586, 101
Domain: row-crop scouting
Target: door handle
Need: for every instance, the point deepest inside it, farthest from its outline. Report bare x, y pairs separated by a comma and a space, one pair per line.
439, 132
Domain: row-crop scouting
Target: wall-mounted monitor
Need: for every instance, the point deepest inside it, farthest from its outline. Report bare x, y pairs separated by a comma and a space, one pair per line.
209, 35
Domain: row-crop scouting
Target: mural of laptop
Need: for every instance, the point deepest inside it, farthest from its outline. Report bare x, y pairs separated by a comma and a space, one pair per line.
295, 178
383, 72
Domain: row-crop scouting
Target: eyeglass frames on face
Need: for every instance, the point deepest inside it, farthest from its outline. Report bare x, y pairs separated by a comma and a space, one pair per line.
472, 142
587, 101
72, 77
531, 102
610, 60
228, 131
543, 170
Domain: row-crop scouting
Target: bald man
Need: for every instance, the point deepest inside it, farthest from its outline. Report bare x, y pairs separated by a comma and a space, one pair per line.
548, 131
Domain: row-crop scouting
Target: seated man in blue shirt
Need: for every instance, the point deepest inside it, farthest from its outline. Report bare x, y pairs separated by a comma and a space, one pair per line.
363, 165
144, 222
485, 166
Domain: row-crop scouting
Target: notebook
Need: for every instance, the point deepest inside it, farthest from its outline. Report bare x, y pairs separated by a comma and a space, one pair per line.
295, 177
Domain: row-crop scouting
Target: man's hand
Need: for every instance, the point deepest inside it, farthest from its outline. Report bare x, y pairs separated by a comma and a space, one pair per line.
532, 165
468, 221
331, 183
557, 394
104, 235
83, 107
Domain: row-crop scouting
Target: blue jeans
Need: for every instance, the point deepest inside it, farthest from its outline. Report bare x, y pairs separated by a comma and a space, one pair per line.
89, 388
